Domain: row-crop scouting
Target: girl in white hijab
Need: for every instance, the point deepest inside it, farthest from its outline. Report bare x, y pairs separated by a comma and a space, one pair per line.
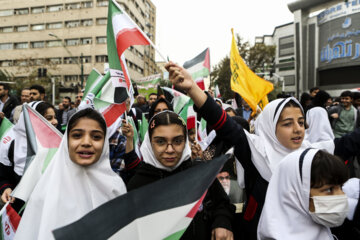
78, 179
304, 198
319, 128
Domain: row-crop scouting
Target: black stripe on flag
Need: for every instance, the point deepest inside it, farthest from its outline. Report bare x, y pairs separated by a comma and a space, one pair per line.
178, 190
120, 95
197, 59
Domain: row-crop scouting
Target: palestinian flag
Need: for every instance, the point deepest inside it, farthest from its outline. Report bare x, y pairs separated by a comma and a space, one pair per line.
143, 127
43, 140
95, 82
7, 134
122, 33
166, 214
10, 220
189, 115
199, 67
178, 99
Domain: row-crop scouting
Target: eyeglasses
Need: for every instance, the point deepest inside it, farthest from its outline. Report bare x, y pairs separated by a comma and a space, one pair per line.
162, 143
224, 178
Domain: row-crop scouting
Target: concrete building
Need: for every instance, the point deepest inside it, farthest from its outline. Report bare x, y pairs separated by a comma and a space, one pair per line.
64, 35
320, 48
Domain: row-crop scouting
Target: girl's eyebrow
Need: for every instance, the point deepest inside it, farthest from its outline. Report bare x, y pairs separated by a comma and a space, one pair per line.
166, 138
291, 119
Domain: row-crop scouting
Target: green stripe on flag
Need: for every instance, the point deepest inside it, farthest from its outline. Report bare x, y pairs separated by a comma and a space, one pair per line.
114, 62
201, 73
92, 81
6, 125
48, 158
175, 236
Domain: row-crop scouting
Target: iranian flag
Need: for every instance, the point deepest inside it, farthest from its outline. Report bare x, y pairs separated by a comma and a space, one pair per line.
179, 100
144, 125
122, 33
217, 92
189, 115
199, 67
136, 137
43, 140
7, 135
10, 220
135, 215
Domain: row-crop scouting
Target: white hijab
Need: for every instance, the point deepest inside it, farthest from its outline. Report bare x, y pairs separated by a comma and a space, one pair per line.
149, 156
266, 150
286, 211
352, 190
319, 125
68, 191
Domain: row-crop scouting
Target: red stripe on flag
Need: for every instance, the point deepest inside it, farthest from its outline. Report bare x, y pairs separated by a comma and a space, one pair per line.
201, 84
194, 210
128, 37
13, 217
113, 112
207, 60
46, 136
190, 122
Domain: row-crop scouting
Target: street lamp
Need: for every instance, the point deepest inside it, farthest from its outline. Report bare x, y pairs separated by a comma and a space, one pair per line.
81, 65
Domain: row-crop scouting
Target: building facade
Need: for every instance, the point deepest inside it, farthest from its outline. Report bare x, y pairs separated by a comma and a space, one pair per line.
66, 36
320, 48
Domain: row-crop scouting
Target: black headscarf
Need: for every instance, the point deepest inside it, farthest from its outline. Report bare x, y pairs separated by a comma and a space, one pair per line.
153, 106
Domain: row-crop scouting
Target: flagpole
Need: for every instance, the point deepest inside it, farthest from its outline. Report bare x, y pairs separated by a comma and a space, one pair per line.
146, 37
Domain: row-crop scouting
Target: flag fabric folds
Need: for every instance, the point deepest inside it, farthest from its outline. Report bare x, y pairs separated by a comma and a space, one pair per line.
199, 67
134, 215
9, 222
144, 125
179, 100
6, 137
189, 115
217, 92
43, 141
251, 87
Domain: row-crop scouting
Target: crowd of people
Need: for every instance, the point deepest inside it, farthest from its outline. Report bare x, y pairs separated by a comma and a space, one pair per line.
293, 170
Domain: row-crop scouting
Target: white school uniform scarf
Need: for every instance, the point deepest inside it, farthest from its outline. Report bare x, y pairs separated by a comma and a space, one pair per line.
68, 191
319, 128
352, 190
149, 156
266, 150
286, 211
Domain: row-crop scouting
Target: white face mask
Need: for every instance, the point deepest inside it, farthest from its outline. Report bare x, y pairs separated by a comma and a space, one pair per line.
330, 211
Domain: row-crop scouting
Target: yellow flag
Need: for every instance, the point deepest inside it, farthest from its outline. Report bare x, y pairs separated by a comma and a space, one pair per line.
252, 88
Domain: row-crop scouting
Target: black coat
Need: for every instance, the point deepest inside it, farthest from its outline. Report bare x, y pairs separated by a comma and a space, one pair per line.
9, 106
216, 208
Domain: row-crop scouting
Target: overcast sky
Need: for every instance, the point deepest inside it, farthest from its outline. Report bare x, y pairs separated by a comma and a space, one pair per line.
185, 28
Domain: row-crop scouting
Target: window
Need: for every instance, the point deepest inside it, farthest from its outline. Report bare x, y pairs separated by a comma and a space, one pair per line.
101, 58
86, 22
101, 21
38, 62
38, 9
54, 25
53, 43
85, 41
6, 63
6, 29
20, 63
4, 46
102, 3
72, 42
54, 60
21, 45
55, 8
71, 24
88, 4
37, 27
100, 40
70, 78
7, 12
37, 44
286, 46
21, 11
86, 59
23, 28
73, 6
70, 60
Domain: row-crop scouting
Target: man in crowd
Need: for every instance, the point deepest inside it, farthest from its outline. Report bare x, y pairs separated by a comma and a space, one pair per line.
25, 98
356, 100
343, 116
7, 102
314, 91
78, 99
152, 98
65, 114
37, 93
